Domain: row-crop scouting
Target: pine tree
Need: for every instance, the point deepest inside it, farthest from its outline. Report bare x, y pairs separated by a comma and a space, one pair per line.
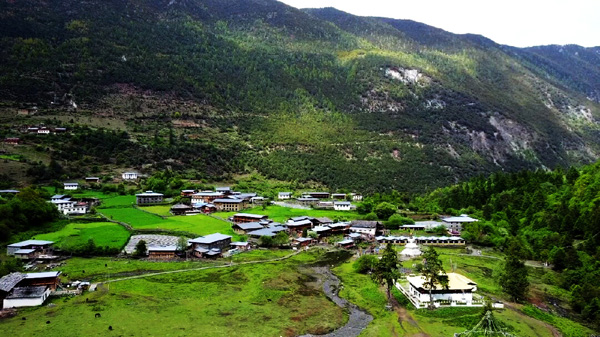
514, 279
386, 271
433, 272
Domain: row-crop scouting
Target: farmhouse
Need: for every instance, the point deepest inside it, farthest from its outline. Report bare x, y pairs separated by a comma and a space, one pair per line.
71, 186
284, 195
75, 208
369, 228
43, 131
39, 246
345, 243
356, 197
12, 141
224, 190
324, 221
26, 297
204, 208
460, 290
210, 245
298, 226
60, 197
148, 198
339, 228
162, 253
241, 246
338, 196
307, 201
455, 223
321, 230
318, 195
325, 205
206, 197
245, 227
23, 290
187, 193
227, 205
423, 225
129, 176
269, 231
342, 205
9, 191
423, 240
92, 180
302, 242
180, 209
248, 217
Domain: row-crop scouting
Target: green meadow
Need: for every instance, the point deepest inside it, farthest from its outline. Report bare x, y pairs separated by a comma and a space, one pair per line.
281, 214
270, 299
76, 234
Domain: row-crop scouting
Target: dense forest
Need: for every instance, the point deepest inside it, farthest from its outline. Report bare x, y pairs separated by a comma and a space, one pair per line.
371, 104
553, 215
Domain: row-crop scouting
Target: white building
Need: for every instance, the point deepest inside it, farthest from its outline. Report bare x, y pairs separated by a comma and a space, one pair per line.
76, 208
26, 297
63, 204
356, 197
342, 206
367, 228
460, 291
130, 176
284, 195
454, 224
71, 186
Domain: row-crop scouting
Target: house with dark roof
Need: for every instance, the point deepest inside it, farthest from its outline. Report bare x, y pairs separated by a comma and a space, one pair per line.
19, 290
148, 198
298, 226
180, 209
228, 205
210, 245
367, 228
268, 231
245, 227
248, 217
162, 253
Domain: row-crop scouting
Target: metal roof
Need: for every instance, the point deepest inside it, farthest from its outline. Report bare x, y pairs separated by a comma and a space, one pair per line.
250, 215
270, 231
162, 249
7, 282
149, 194
249, 225
462, 218
24, 251
42, 275
239, 243
298, 223
31, 243
228, 201
211, 238
27, 292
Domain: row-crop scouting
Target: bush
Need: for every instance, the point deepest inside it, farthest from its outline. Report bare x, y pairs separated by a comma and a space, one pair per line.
371, 216
365, 264
396, 220
385, 210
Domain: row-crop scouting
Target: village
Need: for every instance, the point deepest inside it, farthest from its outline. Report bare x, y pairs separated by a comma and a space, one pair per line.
257, 231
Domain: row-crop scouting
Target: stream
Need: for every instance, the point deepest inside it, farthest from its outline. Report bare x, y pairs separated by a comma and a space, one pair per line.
357, 319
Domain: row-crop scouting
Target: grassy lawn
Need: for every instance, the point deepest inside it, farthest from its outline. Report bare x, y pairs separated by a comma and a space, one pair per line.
271, 299
281, 214
76, 234
197, 224
160, 210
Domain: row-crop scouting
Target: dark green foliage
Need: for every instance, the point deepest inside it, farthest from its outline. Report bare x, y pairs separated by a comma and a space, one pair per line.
365, 264
386, 271
28, 210
10, 266
140, 249
397, 220
433, 272
371, 216
385, 210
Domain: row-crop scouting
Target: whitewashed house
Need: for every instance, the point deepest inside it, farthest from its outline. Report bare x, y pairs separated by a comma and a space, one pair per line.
71, 186
26, 297
459, 292
455, 223
356, 197
342, 206
130, 175
365, 228
284, 195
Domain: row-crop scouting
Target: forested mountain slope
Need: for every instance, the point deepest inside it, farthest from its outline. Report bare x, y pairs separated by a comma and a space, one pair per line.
352, 102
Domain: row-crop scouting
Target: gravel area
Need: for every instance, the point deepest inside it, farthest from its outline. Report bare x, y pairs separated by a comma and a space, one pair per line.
152, 240
357, 320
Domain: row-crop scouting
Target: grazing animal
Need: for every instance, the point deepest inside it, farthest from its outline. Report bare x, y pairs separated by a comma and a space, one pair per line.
269, 299
97, 315
47, 322
110, 327
24, 318
106, 265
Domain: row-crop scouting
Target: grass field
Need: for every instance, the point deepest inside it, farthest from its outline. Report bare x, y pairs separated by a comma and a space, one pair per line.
281, 214
197, 224
271, 299
76, 234
160, 210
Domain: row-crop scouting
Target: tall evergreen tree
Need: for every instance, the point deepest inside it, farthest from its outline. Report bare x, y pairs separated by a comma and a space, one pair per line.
433, 272
514, 278
386, 271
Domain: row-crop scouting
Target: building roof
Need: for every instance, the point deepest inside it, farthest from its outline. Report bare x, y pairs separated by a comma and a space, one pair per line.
285, 193
354, 235
188, 191
299, 218
249, 226
24, 251
149, 194
325, 220
27, 292
461, 218
224, 189
31, 243
162, 249
364, 224
342, 203
338, 225
130, 173
7, 282
47, 274
228, 201
345, 242
455, 282
59, 196
298, 223
250, 215
211, 238
338, 194
320, 229
181, 206
70, 184
239, 244
94, 178
269, 231
9, 191
302, 239
208, 194
307, 199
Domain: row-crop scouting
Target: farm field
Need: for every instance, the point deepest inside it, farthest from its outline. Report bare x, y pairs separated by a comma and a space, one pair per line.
281, 214
76, 234
159, 210
270, 299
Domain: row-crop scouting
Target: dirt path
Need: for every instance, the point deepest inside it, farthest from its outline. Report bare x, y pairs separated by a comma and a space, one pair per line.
358, 319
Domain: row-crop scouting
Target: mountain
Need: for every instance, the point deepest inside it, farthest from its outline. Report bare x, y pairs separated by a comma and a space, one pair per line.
217, 88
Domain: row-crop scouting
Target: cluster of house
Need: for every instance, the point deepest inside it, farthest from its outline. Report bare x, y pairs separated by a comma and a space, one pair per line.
26, 290
221, 199
31, 250
70, 206
208, 246
324, 200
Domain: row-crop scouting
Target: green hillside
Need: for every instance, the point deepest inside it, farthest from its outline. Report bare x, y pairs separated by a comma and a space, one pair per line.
218, 88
